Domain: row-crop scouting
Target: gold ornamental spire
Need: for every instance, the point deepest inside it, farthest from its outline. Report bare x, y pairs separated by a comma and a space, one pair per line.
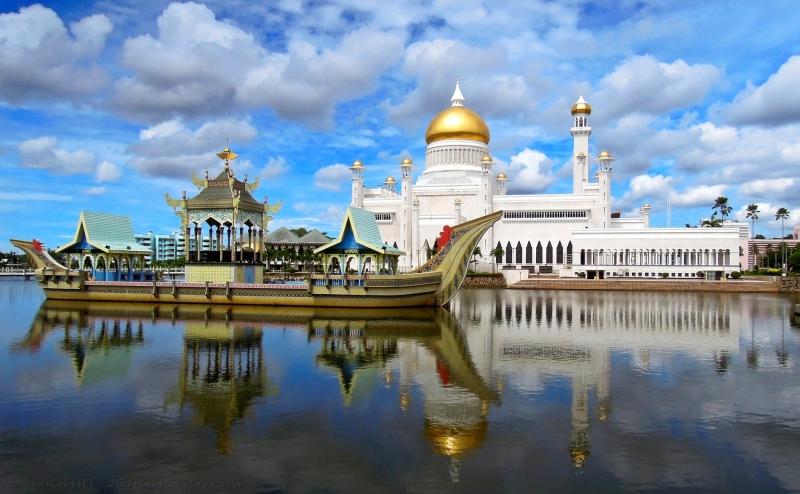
227, 155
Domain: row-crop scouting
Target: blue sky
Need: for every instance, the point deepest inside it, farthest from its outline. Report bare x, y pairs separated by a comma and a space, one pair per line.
107, 106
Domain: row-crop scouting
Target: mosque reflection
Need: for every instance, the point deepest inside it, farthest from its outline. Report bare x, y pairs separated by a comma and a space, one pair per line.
459, 361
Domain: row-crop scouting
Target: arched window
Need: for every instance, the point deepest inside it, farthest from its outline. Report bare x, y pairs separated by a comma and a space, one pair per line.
529, 254
583, 257
499, 258
508, 253
519, 253
549, 253
559, 253
538, 253
569, 253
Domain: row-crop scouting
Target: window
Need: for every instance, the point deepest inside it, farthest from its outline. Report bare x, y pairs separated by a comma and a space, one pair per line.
543, 215
384, 217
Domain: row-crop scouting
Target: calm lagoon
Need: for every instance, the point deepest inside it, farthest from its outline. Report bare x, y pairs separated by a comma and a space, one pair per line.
507, 391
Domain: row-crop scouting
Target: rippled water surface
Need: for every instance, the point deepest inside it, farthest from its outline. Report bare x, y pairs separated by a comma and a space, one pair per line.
508, 391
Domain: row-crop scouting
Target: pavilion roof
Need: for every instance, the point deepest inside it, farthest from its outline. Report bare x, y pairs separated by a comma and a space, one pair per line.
219, 189
108, 233
282, 236
359, 227
315, 237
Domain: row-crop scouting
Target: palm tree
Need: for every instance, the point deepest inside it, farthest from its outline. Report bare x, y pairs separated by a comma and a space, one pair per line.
496, 253
712, 222
782, 214
752, 213
476, 253
721, 203
755, 254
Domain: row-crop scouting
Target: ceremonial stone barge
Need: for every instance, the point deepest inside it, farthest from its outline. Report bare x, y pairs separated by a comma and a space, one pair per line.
360, 270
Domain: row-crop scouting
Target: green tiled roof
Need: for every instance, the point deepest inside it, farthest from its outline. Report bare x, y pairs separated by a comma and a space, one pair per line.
282, 236
365, 229
314, 237
107, 232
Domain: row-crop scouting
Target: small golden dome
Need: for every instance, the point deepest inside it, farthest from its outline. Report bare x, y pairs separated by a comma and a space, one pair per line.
581, 106
604, 154
416, 201
501, 176
390, 180
486, 158
406, 161
581, 154
357, 164
458, 200
457, 122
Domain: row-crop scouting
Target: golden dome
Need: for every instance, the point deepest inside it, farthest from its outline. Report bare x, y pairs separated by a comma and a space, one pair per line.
357, 164
486, 158
501, 175
390, 180
604, 154
581, 106
416, 201
457, 122
458, 200
454, 441
406, 162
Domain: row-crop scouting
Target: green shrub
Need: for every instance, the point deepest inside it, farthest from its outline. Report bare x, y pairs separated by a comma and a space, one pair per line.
774, 272
665, 275
581, 274
701, 274
736, 275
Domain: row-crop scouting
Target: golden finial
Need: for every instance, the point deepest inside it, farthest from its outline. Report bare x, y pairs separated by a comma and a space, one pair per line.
227, 155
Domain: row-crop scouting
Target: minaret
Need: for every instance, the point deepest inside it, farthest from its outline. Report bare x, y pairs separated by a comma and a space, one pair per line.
604, 193
501, 184
406, 231
580, 134
645, 213
487, 188
457, 211
418, 256
357, 194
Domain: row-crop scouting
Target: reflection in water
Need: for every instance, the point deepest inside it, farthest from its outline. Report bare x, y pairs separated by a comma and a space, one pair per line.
100, 348
546, 358
426, 346
537, 334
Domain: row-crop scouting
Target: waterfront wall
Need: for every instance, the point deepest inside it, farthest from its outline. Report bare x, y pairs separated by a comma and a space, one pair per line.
649, 285
485, 281
790, 284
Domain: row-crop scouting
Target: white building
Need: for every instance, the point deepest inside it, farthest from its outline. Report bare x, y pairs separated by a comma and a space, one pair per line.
543, 233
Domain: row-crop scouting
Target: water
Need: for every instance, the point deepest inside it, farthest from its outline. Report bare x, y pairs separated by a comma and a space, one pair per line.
510, 391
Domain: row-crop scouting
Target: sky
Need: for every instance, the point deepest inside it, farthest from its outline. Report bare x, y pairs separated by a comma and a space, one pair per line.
108, 106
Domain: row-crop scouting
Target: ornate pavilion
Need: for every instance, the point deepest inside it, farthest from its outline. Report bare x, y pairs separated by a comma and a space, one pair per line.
105, 245
236, 224
359, 247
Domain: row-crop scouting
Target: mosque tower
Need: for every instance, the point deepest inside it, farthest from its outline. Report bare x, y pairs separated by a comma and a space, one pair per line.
358, 184
580, 155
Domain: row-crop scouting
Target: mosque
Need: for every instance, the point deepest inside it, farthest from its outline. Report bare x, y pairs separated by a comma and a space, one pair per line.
575, 234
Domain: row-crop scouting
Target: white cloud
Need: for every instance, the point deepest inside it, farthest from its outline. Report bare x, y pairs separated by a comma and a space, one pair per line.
302, 207
41, 60
41, 153
644, 188
171, 150
642, 84
332, 216
775, 102
199, 65
764, 187
331, 177
528, 171
33, 196
274, 168
94, 191
700, 195
107, 172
